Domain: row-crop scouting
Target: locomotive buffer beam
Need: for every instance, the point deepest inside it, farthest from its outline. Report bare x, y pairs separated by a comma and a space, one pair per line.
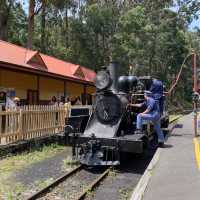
128, 143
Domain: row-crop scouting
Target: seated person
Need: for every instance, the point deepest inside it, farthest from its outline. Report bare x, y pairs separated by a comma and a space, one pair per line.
152, 114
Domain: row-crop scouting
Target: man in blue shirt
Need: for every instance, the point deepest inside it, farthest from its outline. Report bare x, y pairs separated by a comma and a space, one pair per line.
157, 90
152, 114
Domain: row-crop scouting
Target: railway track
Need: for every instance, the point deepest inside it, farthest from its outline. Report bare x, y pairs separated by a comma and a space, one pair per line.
65, 185
73, 185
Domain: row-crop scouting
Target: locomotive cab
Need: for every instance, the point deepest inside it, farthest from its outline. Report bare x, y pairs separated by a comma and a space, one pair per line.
99, 137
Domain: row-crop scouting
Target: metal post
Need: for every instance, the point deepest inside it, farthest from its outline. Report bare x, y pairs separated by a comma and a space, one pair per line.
195, 72
38, 89
195, 90
195, 118
85, 102
65, 89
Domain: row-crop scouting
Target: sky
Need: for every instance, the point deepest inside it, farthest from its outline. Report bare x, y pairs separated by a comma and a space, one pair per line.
195, 23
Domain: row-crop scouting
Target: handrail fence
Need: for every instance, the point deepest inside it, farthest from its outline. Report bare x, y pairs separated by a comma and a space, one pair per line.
32, 121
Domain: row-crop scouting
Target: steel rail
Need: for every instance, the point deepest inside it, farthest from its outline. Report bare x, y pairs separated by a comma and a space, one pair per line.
93, 184
70, 173
54, 183
102, 176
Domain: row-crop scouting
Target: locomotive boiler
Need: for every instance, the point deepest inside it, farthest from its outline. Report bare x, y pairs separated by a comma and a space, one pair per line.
100, 137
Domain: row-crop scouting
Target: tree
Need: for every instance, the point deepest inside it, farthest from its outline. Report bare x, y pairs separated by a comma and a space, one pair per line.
188, 10
5, 7
33, 11
43, 26
31, 23
154, 42
145, 34
17, 23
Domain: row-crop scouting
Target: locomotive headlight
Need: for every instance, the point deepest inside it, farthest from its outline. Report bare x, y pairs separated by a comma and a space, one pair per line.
102, 80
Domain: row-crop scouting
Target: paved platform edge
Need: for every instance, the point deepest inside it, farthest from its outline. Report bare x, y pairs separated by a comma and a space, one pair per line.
139, 190
197, 151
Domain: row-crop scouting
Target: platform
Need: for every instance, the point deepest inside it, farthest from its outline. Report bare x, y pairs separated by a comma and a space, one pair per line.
176, 175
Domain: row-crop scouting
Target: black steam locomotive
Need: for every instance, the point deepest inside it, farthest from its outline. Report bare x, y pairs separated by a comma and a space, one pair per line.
100, 137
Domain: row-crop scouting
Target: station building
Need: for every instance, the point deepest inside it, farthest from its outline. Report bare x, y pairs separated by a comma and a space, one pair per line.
35, 77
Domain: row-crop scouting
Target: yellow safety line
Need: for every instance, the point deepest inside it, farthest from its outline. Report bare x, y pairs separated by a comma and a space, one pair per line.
175, 118
197, 151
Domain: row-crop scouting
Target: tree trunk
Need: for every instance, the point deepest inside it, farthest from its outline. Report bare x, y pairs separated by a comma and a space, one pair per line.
31, 23
43, 27
66, 27
4, 16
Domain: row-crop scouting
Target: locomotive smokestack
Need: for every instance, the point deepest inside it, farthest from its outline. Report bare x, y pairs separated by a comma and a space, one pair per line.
113, 68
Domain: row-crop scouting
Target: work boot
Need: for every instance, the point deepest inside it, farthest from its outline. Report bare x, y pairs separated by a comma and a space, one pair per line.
161, 145
138, 131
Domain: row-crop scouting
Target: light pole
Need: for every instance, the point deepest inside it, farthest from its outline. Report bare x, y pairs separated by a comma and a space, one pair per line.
195, 92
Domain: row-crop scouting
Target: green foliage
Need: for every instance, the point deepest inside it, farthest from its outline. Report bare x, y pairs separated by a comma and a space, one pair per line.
147, 35
17, 32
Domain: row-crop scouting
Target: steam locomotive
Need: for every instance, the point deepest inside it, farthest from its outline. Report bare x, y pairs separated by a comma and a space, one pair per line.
100, 137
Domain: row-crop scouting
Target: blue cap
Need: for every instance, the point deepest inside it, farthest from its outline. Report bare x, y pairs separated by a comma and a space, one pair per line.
148, 93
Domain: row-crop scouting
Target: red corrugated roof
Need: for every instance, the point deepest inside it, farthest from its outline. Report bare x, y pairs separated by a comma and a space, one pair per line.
32, 56
20, 56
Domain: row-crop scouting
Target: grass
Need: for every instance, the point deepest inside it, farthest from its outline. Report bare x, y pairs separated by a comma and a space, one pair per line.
9, 190
13, 192
22, 160
124, 193
69, 163
112, 173
40, 184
